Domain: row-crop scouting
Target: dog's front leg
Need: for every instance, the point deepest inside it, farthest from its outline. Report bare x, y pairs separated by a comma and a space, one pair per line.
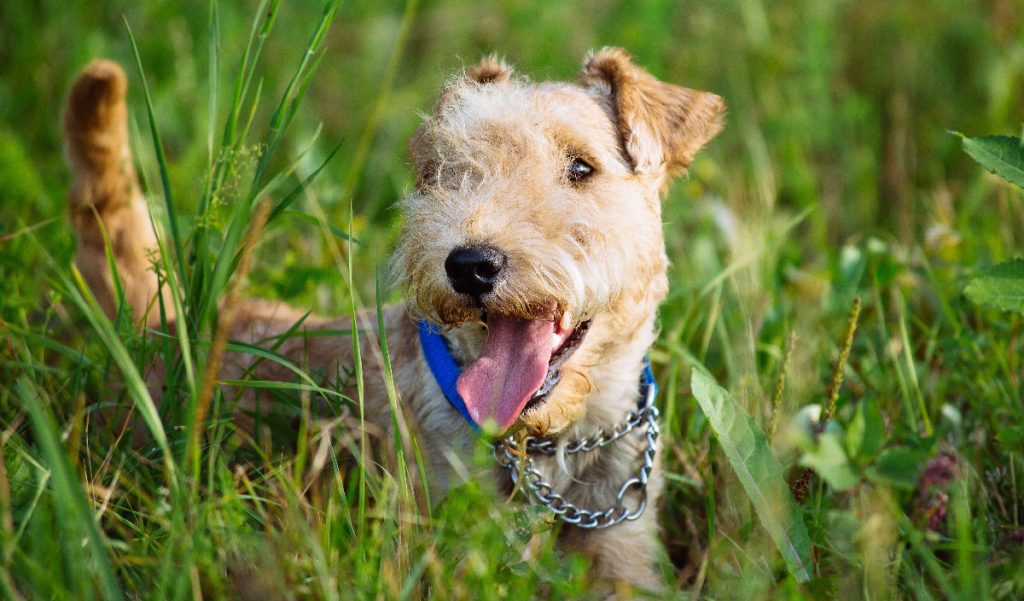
626, 556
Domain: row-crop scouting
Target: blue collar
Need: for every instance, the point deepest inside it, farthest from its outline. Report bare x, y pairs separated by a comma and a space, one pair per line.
443, 366
446, 370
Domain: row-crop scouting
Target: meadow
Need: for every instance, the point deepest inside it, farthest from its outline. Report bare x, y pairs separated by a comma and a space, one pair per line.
821, 247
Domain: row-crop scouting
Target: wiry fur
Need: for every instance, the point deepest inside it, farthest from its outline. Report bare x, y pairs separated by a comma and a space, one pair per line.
106, 205
491, 163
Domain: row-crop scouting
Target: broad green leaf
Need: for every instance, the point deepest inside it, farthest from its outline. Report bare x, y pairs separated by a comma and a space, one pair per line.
20, 479
898, 466
867, 431
1001, 286
1002, 155
759, 472
828, 458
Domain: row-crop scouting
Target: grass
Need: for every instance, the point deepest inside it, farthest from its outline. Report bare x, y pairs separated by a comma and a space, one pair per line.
835, 180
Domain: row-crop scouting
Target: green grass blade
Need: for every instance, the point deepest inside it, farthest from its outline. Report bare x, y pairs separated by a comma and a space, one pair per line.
383, 94
247, 66
279, 122
231, 140
295, 91
278, 385
80, 295
285, 202
307, 218
69, 495
389, 382
213, 84
161, 159
357, 360
178, 300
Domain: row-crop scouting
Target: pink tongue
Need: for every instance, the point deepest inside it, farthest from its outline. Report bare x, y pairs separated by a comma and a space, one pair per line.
510, 369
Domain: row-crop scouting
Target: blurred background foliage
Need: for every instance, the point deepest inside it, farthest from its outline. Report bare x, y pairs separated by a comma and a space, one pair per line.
838, 106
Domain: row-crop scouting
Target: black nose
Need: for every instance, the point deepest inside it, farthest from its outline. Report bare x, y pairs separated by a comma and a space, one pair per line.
474, 270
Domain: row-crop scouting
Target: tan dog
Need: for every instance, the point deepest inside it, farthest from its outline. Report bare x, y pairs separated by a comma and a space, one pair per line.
533, 242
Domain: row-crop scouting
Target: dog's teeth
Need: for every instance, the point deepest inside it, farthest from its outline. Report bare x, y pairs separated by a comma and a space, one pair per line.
556, 341
566, 322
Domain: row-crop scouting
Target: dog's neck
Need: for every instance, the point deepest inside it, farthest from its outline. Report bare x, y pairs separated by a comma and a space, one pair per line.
615, 372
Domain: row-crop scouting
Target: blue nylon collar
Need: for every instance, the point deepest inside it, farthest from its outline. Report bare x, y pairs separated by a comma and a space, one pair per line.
446, 371
443, 366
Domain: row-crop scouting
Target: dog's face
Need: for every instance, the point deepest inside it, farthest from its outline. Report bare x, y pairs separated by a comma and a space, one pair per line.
535, 227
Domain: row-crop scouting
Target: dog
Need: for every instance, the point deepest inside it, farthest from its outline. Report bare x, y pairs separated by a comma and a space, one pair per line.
532, 260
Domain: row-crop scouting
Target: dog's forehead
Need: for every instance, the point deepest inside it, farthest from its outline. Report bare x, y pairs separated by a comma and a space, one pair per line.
547, 108
568, 101
570, 105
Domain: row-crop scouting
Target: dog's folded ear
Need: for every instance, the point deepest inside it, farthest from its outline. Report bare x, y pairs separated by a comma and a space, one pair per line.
490, 69
661, 126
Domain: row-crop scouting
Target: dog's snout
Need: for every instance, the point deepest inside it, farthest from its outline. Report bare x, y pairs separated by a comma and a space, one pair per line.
474, 270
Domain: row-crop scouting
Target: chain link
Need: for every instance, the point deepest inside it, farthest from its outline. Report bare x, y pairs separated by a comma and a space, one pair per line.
512, 459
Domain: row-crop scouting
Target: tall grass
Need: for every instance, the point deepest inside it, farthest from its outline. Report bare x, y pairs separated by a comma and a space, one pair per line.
835, 180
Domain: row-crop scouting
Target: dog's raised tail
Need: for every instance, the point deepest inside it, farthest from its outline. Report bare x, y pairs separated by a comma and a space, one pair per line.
105, 202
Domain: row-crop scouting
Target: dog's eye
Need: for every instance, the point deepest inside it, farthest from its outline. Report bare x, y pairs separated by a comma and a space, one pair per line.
578, 169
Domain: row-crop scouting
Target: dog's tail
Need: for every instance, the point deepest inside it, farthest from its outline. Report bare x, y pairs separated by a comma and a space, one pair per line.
106, 205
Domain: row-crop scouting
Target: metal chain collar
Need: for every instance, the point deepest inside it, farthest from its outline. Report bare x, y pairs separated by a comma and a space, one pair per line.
511, 458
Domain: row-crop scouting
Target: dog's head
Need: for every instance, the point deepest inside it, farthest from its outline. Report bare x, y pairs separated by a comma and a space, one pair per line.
535, 227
